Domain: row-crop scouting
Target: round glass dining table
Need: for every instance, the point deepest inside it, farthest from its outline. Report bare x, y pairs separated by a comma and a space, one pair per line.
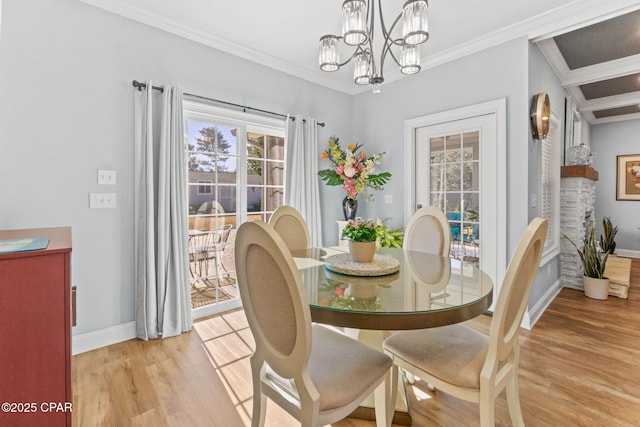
426, 291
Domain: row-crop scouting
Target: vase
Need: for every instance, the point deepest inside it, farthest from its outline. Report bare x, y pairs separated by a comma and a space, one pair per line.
596, 288
349, 208
362, 252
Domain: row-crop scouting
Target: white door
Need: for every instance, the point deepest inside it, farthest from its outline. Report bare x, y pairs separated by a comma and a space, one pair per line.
457, 167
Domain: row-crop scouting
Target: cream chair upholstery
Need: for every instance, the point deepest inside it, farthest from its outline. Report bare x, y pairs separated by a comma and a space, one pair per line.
467, 364
317, 375
428, 231
290, 225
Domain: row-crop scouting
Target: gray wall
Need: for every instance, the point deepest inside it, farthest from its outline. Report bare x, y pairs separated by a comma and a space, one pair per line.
498, 72
543, 79
608, 141
67, 110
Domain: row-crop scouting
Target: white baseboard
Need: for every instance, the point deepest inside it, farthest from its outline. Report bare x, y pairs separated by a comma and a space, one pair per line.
628, 253
102, 337
538, 309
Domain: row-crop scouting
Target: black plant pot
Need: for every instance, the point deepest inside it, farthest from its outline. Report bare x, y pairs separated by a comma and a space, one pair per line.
349, 208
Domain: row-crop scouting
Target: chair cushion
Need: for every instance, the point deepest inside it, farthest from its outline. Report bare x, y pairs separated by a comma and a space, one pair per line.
455, 353
342, 368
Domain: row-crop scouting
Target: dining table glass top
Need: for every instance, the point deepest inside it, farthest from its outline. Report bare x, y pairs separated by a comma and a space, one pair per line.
428, 290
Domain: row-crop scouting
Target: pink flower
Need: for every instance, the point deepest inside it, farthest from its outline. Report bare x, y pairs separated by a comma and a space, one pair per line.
350, 188
340, 170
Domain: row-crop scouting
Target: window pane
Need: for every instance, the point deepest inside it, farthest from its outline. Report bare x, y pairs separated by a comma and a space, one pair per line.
470, 176
470, 145
471, 206
254, 199
275, 198
453, 176
452, 145
275, 147
437, 150
255, 145
453, 203
275, 173
254, 171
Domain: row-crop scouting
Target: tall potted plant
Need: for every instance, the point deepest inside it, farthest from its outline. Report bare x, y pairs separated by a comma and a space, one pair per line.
608, 236
596, 286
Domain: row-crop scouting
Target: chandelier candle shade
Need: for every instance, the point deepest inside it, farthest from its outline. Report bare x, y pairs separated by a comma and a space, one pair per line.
358, 19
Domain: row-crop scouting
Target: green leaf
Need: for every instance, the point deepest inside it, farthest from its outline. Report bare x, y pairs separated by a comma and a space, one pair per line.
379, 179
330, 177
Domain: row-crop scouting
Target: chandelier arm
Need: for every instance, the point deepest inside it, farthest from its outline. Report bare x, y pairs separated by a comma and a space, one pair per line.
372, 61
393, 55
385, 33
357, 50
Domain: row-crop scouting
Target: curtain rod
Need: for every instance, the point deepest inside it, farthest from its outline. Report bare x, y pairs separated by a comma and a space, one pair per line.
139, 85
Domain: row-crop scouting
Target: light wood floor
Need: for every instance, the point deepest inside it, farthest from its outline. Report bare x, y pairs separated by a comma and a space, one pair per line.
580, 366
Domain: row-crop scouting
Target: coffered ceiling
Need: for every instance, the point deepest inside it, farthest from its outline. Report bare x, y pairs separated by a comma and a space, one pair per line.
593, 45
600, 66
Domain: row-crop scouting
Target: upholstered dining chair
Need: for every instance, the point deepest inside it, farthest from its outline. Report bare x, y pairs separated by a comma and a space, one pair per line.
428, 231
317, 375
290, 225
468, 364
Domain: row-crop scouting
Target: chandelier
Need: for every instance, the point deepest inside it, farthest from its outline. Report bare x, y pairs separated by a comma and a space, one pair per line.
358, 17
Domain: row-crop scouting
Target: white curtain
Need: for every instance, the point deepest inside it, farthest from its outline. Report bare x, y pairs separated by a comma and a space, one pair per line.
163, 297
302, 188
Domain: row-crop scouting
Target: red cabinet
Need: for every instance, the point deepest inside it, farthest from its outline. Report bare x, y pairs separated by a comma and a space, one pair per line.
35, 331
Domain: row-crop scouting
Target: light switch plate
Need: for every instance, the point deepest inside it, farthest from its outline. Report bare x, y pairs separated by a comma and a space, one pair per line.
102, 200
107, 177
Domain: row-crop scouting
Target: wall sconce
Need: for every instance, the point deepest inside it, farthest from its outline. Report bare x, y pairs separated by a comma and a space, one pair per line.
540, 115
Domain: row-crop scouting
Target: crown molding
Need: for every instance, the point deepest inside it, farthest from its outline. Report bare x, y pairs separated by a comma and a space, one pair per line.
572, 15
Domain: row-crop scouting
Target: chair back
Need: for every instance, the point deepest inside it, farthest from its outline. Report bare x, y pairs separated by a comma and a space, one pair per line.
428, 231
512, 301
290, 225
201, 246
274, 298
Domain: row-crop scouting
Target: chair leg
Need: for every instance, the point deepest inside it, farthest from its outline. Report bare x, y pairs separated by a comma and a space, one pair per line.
513, 400
259, 399
487, 409
385, 398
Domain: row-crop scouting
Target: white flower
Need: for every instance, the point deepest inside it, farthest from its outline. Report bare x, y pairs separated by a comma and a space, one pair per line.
349, 171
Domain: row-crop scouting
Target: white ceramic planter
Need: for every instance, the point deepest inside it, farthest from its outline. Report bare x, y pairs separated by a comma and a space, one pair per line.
596, 288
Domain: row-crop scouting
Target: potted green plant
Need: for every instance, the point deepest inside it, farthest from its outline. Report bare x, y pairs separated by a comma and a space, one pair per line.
362, 235
388, 237
596, 286
608, 236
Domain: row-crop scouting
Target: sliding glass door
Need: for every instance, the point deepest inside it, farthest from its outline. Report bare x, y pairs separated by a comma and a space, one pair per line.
236, 169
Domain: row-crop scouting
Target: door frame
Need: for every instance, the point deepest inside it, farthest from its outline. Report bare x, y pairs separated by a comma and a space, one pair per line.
498, 107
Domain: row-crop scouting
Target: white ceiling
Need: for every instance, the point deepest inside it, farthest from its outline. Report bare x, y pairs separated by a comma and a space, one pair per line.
284, 34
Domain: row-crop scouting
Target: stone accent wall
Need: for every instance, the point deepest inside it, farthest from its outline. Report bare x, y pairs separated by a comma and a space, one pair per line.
577, 213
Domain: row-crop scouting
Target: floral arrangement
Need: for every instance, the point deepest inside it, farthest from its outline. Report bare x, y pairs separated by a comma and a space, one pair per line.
359, 230
352, 169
